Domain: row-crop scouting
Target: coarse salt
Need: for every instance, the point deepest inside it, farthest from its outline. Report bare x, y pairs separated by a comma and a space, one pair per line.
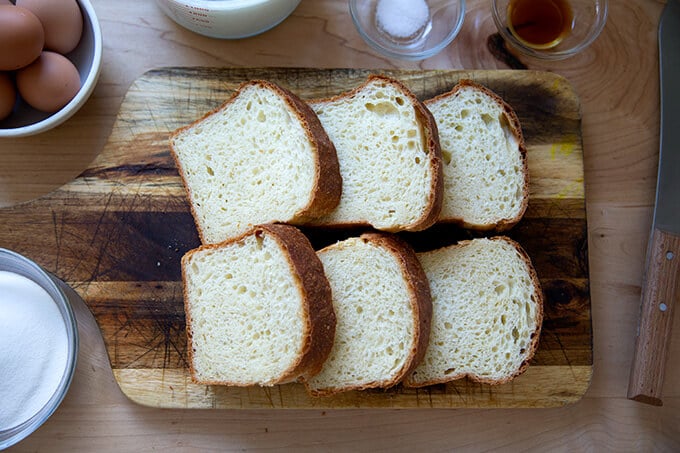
33, 348
402, 18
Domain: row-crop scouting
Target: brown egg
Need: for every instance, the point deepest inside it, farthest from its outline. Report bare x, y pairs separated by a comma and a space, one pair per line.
21, 35
62, 21
8, 95
49, 83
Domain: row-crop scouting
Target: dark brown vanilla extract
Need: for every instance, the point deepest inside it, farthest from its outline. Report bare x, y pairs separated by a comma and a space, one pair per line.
541, 24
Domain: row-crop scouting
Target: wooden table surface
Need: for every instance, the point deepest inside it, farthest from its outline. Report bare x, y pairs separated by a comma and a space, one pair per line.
617, 81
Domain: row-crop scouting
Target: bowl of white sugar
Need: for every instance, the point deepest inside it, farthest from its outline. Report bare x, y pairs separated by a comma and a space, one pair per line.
38, 346
408, 29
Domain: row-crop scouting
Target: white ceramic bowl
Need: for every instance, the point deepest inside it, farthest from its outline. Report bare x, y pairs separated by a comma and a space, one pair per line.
228, 19
87, 57
20, 265
444, 22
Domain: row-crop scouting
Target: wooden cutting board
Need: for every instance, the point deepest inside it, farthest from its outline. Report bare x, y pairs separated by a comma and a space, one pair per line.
117, 233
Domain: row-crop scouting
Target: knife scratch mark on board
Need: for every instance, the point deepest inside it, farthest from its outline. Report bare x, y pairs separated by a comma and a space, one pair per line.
122, 329
566, 356
104, 245
57, 238
181, 329
164, 331
459, 394
555, 335
268, 394
101, 217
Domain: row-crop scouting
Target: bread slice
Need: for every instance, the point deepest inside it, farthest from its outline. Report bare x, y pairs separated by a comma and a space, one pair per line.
486, 178
487, 312
383, 307
261, 157
258, 309
390, 161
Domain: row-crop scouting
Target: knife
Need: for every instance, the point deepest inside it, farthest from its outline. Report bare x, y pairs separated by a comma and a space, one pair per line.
661, 283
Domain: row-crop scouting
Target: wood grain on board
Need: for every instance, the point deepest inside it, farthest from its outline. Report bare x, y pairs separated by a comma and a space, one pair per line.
117, 233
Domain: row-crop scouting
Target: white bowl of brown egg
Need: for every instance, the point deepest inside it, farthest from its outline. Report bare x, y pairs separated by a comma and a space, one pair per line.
49, 65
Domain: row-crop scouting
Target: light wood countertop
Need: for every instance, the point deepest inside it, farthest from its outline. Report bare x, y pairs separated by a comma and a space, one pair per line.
617, 81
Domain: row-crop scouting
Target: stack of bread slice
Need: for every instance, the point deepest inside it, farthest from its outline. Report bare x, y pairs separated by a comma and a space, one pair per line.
264, 308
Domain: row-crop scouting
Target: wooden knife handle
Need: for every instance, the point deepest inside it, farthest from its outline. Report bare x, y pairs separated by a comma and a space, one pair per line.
660, 291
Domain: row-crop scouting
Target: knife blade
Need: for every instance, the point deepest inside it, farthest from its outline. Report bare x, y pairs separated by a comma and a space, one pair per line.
661, 282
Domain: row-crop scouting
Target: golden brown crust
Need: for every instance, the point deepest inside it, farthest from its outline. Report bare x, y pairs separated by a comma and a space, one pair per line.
531, 349
431, 135
327, 187
316, 291
539, 301
328, 181
515, 126
316, 295
421, 298
421, 305
187, 315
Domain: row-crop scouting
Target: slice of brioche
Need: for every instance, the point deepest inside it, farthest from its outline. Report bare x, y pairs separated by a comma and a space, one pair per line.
261, 157
390, 161
486, 178
383, 307
487, 313
258, 309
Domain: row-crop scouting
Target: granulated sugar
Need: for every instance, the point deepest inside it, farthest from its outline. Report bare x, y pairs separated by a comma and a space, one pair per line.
33, 348
402, 18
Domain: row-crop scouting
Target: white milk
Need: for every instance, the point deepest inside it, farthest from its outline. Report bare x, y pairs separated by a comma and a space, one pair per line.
33, 348
228, 19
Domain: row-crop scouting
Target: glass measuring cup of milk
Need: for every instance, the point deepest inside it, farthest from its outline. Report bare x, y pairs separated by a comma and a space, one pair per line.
228, 19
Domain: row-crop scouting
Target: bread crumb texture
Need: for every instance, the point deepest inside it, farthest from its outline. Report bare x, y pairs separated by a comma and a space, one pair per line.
247, 321
485, 312
375, 327
484, 179
248, 163
383, 156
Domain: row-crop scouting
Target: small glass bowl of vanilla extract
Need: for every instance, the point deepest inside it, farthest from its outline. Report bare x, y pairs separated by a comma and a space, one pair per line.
549, 29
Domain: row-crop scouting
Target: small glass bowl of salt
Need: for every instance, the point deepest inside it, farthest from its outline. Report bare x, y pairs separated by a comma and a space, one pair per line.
38, 346
408, 29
